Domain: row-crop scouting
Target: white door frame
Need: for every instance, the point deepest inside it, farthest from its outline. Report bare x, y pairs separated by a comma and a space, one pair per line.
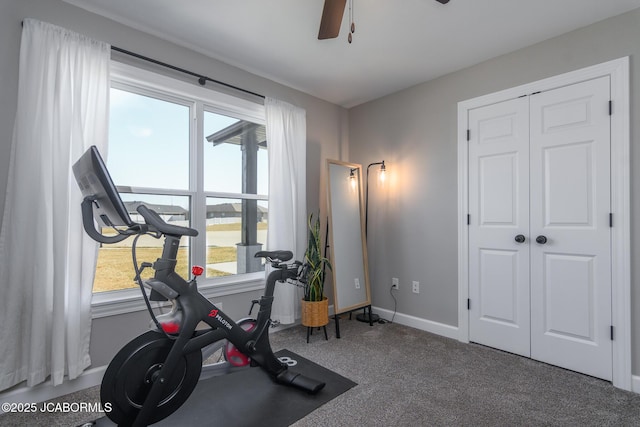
618, 71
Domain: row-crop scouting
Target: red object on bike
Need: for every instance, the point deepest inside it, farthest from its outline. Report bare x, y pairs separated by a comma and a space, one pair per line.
171, 327
197, 270
231, 352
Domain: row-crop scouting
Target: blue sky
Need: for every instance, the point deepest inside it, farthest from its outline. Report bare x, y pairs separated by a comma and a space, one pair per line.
149, 147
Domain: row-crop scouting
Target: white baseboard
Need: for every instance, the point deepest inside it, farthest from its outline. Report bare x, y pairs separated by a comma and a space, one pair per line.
635, 383
419, 323
47, 391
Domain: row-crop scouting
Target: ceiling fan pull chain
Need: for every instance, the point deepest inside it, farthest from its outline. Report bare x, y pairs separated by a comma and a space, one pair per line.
353, 14
353, 25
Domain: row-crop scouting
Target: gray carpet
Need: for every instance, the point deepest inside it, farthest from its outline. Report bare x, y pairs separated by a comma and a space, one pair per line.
408, 377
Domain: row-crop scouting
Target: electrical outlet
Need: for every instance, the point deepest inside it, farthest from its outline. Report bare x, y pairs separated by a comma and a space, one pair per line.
416, 287
357, 281
395, 283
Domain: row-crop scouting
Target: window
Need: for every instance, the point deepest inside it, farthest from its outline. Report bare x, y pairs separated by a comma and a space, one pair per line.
199, 159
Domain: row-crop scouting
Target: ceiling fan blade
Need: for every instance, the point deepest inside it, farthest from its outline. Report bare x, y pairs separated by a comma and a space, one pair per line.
443, 1
332, 19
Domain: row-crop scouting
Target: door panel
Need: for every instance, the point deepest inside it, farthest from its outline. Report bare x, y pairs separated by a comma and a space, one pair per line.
568, 294
497, 185
571, 272
569, 185
499, 197
498, 296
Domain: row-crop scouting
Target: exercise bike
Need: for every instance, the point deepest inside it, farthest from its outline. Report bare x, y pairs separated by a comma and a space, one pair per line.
155, 373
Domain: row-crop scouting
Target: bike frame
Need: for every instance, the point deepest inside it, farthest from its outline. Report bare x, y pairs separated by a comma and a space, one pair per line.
101, 200
196, 308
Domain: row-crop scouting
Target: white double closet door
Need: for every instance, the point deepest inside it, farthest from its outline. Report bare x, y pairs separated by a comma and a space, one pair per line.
539, 232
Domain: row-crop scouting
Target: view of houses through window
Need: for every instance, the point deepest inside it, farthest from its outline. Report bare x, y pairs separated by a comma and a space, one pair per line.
217, 184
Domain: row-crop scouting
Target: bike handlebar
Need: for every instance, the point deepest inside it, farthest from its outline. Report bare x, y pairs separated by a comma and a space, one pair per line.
90, 228
152, 218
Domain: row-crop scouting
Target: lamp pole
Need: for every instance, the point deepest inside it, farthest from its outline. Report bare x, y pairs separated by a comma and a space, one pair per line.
366, 197
363, 317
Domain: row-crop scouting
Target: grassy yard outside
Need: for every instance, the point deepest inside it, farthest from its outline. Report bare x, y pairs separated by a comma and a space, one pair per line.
114, 269
234, 226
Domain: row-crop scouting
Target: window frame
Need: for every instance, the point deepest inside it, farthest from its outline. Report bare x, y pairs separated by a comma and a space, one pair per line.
199, 99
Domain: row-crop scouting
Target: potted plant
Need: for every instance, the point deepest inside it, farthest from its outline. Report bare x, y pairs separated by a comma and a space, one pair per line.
315, 306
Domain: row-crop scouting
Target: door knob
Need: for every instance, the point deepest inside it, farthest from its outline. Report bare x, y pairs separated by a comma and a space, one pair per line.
520, 238
541, 239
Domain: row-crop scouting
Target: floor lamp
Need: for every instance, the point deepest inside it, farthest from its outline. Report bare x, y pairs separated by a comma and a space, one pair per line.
363, 317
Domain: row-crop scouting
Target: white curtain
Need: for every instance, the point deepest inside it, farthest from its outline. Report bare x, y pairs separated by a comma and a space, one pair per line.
47, 262
287, 230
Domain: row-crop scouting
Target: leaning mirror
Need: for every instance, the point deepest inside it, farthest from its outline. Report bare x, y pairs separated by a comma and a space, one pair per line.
348, 250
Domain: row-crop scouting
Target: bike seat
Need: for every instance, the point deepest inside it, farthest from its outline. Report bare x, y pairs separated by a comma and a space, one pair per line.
275, 255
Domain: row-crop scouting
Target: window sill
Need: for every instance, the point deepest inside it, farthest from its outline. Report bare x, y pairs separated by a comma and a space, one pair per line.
105, 304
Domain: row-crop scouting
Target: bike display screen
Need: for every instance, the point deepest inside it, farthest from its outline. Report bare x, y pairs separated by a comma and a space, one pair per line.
95, 182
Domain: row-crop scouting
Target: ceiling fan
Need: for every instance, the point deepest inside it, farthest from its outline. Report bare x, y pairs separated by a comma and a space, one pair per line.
332, 18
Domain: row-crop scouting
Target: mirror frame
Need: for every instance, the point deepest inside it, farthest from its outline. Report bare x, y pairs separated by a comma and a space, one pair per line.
336, 265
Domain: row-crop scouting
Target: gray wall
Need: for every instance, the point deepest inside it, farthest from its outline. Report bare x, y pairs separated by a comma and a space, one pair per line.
326, 123
412, 222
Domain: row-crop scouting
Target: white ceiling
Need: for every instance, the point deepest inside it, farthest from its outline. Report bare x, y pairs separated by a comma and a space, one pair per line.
397, 43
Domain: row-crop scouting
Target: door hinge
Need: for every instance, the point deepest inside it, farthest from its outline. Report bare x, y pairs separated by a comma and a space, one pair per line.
610, 108
611, 331
468, 219
468, 303
468, 134
610, 220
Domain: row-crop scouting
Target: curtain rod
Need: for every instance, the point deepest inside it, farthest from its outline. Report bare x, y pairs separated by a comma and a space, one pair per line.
201, 79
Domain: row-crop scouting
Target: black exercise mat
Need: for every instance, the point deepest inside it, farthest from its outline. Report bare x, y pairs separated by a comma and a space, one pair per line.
249, 397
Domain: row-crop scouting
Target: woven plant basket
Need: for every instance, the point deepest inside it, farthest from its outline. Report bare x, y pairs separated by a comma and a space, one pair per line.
315, 313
